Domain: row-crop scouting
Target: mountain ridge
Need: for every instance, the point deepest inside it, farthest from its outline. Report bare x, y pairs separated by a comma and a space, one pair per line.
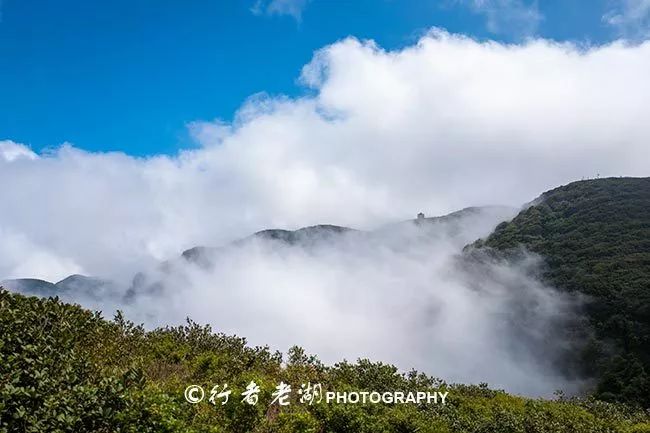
594, 237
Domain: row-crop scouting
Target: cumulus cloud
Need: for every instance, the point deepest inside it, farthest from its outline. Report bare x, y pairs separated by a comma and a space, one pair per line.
631, 19
514, 17
438, 126
293, 8
10, 151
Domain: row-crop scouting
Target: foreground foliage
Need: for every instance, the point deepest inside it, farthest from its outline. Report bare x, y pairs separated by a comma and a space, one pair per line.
65, 369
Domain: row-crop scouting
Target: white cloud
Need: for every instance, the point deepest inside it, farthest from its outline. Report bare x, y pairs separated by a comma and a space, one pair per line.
515, 17
444, 124
10, 151
631, 19
293, 8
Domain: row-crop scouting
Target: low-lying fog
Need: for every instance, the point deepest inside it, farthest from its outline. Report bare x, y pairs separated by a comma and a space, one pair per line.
402, 294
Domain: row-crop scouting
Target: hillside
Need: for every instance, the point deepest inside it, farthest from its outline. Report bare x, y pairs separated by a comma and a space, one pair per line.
73, 288
595, 239
65, 369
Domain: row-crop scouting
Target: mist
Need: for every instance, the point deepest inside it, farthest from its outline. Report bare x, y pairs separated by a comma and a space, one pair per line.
404, 294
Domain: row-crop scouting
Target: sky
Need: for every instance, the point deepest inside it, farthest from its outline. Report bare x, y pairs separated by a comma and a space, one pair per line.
131, 75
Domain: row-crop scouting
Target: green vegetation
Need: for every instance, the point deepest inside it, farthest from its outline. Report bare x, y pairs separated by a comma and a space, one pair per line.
65, 369
595, 238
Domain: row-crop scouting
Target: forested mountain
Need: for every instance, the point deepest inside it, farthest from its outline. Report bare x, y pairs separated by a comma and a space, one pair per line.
594, 237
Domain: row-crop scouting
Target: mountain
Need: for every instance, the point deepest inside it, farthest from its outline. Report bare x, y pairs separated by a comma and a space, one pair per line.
31, 287
594, 237
73, 288
460, 227
306, 236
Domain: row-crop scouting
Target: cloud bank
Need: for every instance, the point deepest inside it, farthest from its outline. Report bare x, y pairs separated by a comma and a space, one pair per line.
447, 123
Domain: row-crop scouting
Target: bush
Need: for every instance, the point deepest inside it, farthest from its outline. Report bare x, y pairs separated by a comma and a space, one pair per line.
65, 369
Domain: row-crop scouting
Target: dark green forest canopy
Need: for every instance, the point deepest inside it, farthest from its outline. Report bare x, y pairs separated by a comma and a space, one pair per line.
65, 369
594, 237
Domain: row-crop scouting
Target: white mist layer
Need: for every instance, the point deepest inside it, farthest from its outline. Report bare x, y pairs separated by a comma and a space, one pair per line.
400, 295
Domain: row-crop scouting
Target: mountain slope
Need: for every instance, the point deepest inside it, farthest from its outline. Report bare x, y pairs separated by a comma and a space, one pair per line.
73, 288
31, 286
595, 239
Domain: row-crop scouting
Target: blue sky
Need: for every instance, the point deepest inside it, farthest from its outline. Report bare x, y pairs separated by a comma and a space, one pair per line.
130, 75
